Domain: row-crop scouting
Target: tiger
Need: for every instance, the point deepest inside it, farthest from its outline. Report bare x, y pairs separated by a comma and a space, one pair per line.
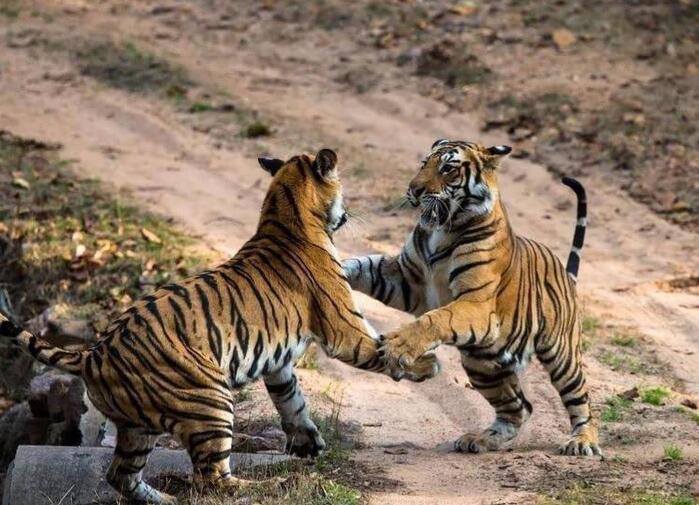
498, 297
170, 362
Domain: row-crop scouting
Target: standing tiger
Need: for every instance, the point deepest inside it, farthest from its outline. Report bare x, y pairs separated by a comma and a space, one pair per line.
169, 363
496, 296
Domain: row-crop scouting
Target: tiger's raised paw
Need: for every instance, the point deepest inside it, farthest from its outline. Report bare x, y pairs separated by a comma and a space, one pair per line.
403, 351
583, 443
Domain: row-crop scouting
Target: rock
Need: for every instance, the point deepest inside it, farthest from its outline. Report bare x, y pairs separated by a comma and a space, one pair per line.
14, 431
563, 38
56, 395
630, 394
689, 403
110, 434
76, 475
59, 406
91, 425
269, 438
66, 399
694, 488
58, 326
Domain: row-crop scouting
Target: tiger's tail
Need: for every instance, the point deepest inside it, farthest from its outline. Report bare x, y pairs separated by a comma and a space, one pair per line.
68, 361
580, 226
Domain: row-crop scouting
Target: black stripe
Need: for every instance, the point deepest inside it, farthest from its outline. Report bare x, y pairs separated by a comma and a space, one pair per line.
467, 266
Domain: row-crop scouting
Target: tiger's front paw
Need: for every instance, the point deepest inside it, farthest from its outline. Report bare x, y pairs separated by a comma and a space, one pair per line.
425, 367
304, 441
585, 442
403, 352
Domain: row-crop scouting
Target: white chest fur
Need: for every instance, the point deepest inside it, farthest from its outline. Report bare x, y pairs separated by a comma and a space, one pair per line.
437, 289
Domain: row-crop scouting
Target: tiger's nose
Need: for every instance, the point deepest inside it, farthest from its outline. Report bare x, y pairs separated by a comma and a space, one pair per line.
416, 191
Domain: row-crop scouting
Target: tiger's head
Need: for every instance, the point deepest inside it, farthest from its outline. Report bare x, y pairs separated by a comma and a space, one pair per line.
456, 183
305, 192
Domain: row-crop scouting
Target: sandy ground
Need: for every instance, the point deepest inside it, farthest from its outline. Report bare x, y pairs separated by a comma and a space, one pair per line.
213, 188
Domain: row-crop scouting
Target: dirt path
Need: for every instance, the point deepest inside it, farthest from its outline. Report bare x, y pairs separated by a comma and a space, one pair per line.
214, 188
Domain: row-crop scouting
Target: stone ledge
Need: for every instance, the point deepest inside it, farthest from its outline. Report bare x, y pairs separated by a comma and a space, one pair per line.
41, 475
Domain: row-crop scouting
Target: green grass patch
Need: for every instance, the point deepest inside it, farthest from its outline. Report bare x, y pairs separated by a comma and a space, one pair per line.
128, 67
672, 453
655, 395
9, 10
624, 341
257, 129
615, 408
590, 325
621, 362
602, 495
197, 107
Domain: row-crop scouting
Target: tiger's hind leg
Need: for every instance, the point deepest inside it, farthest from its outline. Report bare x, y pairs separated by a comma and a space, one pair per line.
563, 361
133, 447
502, 390
209, 443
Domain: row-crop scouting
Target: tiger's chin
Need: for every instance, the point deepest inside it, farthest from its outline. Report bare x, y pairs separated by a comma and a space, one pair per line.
434, 216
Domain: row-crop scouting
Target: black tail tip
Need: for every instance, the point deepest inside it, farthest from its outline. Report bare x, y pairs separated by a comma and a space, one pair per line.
9, 329
574, 184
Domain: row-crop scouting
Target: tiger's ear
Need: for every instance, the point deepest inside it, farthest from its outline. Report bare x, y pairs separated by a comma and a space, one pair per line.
499, 151
270, 165
325, 162
438, 143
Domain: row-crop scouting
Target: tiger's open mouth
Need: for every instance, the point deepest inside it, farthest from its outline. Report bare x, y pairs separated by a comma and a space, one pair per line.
435, 212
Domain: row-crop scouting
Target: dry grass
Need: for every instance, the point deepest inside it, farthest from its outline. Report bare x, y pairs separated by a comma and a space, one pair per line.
74, 242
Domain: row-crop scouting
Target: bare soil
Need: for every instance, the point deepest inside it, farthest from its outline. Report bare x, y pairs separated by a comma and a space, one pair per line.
361, 79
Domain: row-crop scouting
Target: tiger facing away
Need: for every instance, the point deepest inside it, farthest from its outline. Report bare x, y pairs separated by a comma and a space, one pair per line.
475, 284
169, 363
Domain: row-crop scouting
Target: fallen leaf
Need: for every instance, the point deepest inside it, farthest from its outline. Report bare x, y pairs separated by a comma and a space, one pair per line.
563, 38
464, 9
150, 236
20, 182
80, 250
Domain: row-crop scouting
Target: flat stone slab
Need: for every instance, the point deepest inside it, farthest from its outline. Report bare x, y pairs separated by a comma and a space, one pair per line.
44, 475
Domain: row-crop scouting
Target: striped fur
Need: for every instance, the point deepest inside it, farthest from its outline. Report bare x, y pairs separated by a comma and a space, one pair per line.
475, 284
169, 363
